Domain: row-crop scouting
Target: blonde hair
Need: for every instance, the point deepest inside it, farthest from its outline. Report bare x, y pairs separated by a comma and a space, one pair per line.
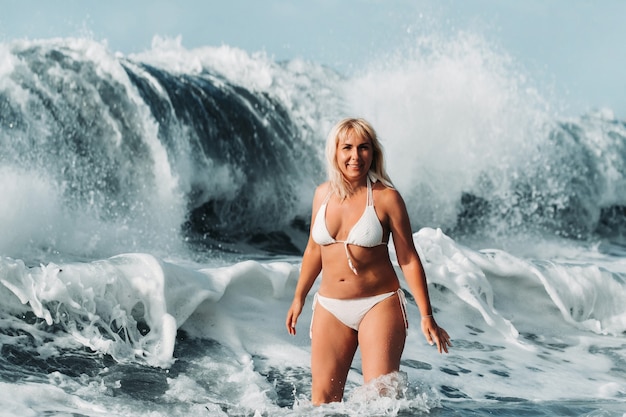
338, 184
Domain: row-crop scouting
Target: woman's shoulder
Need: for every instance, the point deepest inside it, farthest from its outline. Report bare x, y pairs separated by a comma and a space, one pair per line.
387, 197
385, 191
321, 192
323, 188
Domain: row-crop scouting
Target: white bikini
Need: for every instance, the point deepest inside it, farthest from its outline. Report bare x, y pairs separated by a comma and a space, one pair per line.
368, 233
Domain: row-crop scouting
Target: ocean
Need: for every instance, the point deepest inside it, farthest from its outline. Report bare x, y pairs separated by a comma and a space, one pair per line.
154, 208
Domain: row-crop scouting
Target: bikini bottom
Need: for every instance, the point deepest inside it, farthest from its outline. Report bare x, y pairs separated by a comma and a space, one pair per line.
351, 311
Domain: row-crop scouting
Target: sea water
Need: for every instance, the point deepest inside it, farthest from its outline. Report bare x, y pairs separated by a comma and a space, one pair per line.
154, 208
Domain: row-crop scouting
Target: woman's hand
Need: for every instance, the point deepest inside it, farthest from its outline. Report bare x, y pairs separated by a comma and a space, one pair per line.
292, 316
435, 334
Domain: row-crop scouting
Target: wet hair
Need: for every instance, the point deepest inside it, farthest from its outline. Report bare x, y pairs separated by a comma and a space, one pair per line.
339, 132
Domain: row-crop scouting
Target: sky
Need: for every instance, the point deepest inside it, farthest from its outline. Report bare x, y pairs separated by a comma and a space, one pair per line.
579, 46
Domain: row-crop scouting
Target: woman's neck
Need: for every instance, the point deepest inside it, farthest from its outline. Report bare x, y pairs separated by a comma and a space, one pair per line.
357, 185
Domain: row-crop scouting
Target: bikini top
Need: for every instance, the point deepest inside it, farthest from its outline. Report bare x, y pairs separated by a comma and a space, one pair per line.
367, 232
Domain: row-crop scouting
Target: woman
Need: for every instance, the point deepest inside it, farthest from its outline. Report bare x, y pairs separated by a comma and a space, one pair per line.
359, 302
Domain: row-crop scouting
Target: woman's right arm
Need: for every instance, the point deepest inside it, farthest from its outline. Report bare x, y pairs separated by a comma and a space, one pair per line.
310, 270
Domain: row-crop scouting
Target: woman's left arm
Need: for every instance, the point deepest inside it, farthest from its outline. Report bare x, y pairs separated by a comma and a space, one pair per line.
412, 269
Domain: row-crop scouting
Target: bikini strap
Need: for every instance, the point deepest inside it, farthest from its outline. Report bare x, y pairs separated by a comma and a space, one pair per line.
327, 198
350, 263
402, 298
370, 192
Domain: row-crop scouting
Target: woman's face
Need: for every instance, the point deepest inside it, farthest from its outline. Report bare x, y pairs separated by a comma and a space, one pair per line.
354, 156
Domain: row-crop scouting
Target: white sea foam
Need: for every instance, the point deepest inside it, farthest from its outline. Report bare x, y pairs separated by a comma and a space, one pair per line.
452, 112
510, 338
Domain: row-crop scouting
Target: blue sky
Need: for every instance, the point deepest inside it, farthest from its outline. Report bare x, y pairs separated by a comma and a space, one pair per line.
578, 45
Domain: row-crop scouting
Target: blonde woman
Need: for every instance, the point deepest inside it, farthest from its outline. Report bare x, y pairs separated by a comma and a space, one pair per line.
359, 302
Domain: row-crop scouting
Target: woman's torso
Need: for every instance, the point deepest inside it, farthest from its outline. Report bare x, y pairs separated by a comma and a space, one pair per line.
376, 274
352, 268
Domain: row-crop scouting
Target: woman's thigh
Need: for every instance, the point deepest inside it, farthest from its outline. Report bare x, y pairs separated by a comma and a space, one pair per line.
333, 345
382, 334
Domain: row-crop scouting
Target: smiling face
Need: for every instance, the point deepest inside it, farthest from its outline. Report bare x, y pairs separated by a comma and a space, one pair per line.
354, 156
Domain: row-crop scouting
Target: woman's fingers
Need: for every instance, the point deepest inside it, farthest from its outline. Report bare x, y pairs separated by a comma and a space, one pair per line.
290, 323
443, 340
436, 335
292, 318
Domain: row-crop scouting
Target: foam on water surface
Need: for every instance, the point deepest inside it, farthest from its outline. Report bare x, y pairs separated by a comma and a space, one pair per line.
512, 340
